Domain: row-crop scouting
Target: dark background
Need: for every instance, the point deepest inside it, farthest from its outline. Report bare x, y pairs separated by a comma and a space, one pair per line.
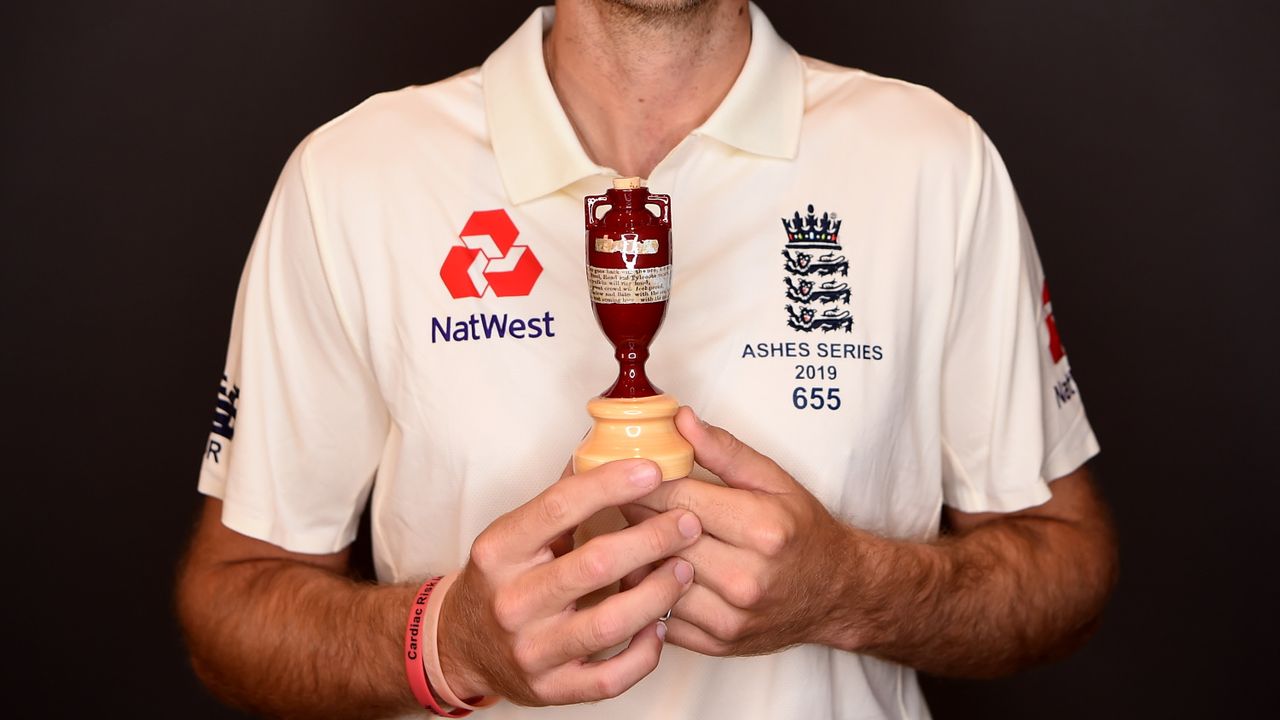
142, 138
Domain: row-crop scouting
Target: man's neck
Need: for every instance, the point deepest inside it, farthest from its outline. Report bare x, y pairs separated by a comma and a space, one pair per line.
637, 76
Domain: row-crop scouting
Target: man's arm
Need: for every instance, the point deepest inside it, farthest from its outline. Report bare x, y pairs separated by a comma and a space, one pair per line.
999, 593
290, 635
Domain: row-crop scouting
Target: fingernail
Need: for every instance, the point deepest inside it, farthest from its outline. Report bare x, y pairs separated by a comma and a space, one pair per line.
643, 475
689, 525
684, 572
662, 631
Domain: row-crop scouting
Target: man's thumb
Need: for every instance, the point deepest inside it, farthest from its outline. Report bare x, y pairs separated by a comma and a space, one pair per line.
717, 450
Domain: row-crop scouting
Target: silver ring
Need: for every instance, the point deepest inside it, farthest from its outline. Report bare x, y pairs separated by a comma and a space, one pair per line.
666, 616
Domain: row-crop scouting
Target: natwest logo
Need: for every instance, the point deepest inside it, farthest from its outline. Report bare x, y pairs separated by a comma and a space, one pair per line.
1055, 342
489, 259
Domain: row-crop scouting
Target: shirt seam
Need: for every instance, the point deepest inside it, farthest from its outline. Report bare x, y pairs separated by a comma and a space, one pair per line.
969, 202
960, 474
315, 209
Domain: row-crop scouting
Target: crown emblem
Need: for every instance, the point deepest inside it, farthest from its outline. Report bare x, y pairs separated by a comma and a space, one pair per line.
813, 262
812, 231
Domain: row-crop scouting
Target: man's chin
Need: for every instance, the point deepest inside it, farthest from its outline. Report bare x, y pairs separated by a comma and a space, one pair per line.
657, 9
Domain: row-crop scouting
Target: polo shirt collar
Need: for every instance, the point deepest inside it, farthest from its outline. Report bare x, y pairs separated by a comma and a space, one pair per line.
538, 151
763, 111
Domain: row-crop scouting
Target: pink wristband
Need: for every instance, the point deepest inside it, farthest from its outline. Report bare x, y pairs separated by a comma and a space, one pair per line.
431, 653
416, 645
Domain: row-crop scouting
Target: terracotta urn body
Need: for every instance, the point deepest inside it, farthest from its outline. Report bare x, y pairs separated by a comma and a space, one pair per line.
629, 274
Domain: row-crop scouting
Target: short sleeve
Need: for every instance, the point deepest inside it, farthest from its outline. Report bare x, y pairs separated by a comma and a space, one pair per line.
299, 425
1012, 416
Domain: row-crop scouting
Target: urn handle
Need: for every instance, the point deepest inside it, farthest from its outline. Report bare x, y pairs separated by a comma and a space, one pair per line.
663, 202
592, 201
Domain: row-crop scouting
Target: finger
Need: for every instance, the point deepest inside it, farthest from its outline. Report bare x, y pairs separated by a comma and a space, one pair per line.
635, 577
634, 513
732, 460
619, 616
603, 560
522, 533
691, 637
730, 572
707, 611
563, 544
586, 682
735, 516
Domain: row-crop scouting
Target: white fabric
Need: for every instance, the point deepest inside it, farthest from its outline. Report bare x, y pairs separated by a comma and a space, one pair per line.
346, 383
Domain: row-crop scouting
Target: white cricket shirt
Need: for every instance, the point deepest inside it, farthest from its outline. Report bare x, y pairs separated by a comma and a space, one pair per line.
413, 327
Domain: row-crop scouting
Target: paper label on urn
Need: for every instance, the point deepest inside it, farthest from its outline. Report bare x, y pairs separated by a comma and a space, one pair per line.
620, 286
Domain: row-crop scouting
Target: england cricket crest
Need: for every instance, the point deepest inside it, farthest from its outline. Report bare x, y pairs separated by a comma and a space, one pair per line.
814, 265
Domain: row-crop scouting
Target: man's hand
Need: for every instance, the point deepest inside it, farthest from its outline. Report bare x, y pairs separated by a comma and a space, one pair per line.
1000, 592
285, 634
509, 625
765, 559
